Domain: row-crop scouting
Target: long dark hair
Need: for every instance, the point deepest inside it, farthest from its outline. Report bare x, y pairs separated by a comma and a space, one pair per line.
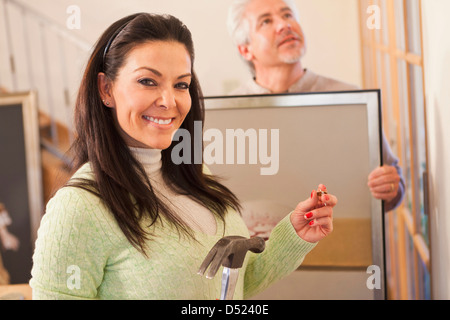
120, 180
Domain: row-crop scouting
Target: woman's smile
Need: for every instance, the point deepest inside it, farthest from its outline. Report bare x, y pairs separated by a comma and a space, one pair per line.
160, 122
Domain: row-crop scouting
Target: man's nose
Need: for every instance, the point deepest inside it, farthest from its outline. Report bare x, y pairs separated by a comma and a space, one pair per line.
283, 25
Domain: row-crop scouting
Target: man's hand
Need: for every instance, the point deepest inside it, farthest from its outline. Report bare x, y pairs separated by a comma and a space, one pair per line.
384, 183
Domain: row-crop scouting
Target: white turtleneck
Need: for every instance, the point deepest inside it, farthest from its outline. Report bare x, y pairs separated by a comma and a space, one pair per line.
193, 214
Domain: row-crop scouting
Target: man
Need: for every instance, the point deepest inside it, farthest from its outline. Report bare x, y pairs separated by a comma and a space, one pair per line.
269, 38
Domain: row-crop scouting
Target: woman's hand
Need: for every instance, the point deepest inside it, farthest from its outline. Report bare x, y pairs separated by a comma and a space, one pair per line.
313, 218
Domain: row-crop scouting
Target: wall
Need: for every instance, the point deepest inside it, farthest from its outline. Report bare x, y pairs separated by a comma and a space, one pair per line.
436, 26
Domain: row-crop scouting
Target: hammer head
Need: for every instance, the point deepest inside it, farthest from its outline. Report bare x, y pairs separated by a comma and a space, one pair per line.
230, 252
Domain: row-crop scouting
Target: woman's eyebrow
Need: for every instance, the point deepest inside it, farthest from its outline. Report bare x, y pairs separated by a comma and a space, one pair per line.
159, 74
185, 75
156, 72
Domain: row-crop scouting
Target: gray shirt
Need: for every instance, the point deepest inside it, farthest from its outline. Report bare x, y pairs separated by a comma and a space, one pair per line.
312, 82
309, 82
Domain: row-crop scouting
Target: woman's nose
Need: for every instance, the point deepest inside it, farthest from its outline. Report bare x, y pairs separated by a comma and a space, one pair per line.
166, 99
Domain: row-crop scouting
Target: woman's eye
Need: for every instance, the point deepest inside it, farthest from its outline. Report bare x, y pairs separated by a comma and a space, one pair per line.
147, 82
182, 86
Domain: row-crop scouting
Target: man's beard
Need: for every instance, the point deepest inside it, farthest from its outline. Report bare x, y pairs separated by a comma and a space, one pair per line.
293, 57
295, 54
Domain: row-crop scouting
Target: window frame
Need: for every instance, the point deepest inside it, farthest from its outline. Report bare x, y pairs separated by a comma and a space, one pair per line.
408, 249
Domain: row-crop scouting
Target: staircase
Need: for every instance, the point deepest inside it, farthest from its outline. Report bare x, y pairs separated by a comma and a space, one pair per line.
56, 167
38, 54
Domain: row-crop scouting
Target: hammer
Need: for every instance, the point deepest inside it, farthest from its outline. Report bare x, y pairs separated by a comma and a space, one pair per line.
230, 253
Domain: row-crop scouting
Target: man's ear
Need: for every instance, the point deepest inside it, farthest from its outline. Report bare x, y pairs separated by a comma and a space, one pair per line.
245, 52
104, 85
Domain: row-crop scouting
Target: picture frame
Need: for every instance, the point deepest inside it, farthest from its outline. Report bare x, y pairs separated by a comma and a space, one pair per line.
333, 138
21, 189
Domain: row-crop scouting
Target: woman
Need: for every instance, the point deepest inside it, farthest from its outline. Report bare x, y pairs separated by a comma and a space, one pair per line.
131, 224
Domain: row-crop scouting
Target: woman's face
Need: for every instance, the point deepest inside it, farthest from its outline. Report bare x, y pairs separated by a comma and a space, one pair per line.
150, 95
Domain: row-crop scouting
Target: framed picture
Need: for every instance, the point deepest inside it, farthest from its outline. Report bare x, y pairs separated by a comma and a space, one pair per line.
273, 150
21, 194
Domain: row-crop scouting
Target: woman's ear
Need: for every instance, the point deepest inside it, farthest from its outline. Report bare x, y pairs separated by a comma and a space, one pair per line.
105, 89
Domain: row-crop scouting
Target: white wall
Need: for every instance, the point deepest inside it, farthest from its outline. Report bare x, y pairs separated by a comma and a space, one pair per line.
333, 38
436, 27
331, 27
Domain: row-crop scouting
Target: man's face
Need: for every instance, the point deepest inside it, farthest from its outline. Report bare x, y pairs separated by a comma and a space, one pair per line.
276, 37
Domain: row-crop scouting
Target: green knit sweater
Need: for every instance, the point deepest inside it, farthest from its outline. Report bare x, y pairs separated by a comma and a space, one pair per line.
81, 253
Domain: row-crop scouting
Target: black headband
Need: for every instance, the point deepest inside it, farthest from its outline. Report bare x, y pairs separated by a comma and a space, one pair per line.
110, 41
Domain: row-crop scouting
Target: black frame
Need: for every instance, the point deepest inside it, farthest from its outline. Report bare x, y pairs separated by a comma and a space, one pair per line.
21, 188
258, 105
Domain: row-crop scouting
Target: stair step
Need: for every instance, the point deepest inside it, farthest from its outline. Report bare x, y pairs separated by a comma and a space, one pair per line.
45, 130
